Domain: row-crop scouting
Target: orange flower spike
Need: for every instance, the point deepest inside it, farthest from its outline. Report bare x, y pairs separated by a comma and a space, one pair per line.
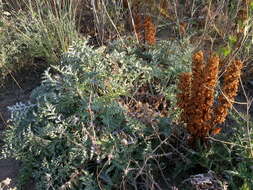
183, 98
150, 31
195, 105
198, 58
210, 81
197, 68
229, 91
138, 27
211, 73
202, 97
182, 28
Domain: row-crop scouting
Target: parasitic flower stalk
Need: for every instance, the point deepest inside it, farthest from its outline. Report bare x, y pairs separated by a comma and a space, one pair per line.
150, 31
202, 97
197, 69
146, 30
194, 110
183, 97
210, 76
138, 27
229, 91
197, 92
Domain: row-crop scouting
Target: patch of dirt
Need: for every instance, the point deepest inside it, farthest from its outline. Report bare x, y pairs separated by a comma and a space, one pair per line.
16, 88
9, 169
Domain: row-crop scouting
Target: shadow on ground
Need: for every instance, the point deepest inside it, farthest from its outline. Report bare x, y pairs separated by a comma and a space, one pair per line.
10, 94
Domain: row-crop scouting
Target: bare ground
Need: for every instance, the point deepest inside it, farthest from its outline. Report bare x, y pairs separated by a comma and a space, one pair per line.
10, 94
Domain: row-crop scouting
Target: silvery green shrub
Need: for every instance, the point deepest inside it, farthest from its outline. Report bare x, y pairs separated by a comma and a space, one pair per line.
75, 134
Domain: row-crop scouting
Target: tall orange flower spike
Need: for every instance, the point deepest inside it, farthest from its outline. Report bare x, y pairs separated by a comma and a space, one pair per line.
203, 96
229, 91
138, 27
150, 31
146, 30
183, 97
210, 73
194, 109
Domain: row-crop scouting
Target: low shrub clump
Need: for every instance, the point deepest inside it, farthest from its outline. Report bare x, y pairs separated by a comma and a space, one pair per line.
99, 119
106, 118
109, 117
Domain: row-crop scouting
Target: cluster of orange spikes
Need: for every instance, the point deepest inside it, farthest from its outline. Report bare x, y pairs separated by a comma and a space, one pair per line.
143, 25
146, 31
197, 91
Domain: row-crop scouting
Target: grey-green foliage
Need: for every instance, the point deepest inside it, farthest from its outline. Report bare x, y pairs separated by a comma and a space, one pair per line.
242, 151
75, 133
166, 60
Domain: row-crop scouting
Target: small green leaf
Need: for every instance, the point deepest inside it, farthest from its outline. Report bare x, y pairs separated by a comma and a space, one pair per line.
1, 24
251, 5
232, 39
226, 50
